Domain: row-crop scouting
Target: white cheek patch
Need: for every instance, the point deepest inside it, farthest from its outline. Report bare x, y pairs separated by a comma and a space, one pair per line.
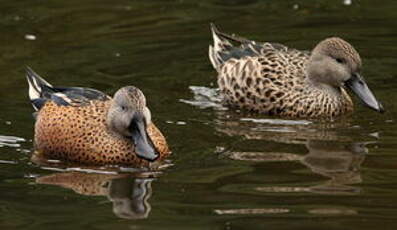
147, 115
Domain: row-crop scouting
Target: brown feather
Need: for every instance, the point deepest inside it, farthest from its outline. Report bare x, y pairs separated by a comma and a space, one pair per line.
79, 134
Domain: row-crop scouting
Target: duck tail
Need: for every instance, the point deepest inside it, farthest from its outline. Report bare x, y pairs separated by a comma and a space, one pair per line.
38, 88
220, 45
220, 51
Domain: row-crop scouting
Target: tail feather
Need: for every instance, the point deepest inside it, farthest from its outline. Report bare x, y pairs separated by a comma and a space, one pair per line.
227, 46
226, 38
36, 83
223, 48
40, 91
220, 45
37, 87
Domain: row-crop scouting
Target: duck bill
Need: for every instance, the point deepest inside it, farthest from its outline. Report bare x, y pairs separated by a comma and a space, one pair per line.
144, 147
358, 86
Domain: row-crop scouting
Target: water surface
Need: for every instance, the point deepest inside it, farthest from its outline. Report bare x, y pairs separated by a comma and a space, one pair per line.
230, 170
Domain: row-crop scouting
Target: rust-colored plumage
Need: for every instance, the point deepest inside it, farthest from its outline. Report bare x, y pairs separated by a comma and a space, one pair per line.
79, 134
79, 131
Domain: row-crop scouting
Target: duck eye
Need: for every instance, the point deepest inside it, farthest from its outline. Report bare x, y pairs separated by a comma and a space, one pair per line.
340, 60
123, 108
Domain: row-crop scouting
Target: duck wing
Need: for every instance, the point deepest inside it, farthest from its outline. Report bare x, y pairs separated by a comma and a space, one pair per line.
40, 91
223, 49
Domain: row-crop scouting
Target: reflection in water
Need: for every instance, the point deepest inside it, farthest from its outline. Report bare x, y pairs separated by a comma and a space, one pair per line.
333, 211
328, 154
341, 163
263, 156
266, 211
128, 194
10, 141
59, 165
278, 130
130, 197
251, 211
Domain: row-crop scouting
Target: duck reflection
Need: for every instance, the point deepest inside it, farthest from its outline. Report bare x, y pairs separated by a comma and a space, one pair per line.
339, 162
129, 195
279, 130
328, 152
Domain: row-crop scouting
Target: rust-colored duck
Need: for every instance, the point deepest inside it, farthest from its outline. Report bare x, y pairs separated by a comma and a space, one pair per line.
86, 126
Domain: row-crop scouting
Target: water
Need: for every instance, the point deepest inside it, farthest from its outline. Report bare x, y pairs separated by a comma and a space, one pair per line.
229, 169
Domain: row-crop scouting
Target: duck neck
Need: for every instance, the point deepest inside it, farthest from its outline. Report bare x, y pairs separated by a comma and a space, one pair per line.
329, 90
323, 88
329, 99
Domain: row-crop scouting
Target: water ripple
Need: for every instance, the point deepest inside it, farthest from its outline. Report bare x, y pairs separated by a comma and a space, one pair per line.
10, 141
204, 98
277, 121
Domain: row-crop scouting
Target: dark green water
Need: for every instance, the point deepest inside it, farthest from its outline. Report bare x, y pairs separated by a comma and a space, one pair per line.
230, 170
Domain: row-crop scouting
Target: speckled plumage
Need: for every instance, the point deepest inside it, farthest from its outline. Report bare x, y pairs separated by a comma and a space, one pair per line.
80, 134
273, 79
94, 129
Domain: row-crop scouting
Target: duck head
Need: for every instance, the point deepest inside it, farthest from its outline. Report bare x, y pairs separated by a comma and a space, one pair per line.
129, 116
334, 62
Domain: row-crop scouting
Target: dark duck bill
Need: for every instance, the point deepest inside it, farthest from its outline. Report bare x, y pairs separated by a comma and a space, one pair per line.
358, 86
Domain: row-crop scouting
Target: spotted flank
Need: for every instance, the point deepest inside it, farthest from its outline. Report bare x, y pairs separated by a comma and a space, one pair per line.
272, 79
88, 127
